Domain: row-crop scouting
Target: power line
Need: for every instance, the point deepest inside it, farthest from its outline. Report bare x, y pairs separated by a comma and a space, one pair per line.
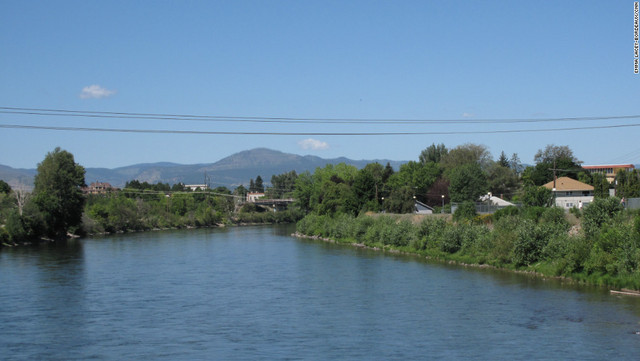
290, 120
200, 132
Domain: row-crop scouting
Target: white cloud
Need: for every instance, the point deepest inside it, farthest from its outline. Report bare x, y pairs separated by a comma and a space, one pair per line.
95, 92
313, 144
467, 115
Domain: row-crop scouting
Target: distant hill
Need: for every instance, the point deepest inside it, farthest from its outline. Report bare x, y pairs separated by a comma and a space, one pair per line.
231, 171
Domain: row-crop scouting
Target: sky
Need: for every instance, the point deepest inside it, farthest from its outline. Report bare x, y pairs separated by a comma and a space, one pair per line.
466, 64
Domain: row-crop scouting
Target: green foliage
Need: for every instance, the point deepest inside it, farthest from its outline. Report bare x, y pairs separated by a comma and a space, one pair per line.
465, 211
600, 185
466, 154
282, 185
534, 238
535, 196
433, 153
505, 212
4, 187
628, 183
58, 194
599, 212
502, 180
400, 200
467, 183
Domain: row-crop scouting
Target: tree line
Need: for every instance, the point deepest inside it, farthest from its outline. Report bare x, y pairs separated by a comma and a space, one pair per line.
439, 176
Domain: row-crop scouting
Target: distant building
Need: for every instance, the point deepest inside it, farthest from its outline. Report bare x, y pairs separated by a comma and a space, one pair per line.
194, 187
609, 170
569, 193
99, 188
252, 197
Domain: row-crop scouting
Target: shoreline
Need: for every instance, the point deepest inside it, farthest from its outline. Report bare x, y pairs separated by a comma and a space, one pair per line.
612, 291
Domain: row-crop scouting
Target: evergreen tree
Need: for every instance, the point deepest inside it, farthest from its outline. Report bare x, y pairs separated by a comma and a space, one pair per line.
259, 185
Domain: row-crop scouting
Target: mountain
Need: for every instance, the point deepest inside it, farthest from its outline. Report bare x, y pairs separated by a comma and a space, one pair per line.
230, 172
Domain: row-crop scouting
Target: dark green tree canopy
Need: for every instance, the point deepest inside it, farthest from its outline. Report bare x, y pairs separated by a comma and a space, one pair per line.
468, 183
558, 159
58, 194
282, 185
4, 187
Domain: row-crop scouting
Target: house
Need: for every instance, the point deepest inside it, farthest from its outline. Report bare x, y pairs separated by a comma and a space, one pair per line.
421, 208
609, 170
194, 187
569, 193
252, 197
99, 188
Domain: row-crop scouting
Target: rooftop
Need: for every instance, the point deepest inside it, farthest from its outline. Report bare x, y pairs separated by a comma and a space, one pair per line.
568, 184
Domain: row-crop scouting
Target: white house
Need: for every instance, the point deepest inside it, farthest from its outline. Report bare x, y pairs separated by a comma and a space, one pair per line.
252, 197
569, 193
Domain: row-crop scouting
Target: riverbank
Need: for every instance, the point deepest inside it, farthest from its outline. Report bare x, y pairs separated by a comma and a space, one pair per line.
547, 246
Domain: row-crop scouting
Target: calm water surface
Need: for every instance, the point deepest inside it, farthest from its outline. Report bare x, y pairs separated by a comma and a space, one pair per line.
255, 293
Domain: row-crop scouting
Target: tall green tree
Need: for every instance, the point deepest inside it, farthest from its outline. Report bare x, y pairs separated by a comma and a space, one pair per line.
282, 185
57, 193
433, 153
468, 183
503, 160
4, 187
558, 160
466, 154
259, 185
503, 181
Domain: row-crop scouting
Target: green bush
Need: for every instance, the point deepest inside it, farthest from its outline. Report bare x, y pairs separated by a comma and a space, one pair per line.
597, 213
506, 211
465, 211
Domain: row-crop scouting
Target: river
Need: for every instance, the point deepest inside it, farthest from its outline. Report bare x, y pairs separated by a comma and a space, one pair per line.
256, 293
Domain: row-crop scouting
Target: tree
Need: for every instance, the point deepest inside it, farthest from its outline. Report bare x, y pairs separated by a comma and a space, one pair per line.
259, 185
514, 163
600, 185
282, 184
503, 161
466, 154
417, 176
57, 193
433, 153
535, 196
554, 152
628, 184
558, 160
4, 187
468, 182
503, 181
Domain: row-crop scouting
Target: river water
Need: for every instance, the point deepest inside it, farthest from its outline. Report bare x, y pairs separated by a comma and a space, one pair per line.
255, 293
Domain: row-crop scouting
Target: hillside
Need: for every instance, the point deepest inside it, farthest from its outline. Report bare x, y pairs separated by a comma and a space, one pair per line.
231, 171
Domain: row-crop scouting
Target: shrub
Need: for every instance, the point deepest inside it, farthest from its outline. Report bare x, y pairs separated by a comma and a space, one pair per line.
599, 212
506, 211
531, 240
465, 211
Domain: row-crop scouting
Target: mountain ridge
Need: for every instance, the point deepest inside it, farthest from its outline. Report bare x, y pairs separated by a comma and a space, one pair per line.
230, 171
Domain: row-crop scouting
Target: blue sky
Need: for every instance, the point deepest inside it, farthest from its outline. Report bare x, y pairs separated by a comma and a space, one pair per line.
317, 59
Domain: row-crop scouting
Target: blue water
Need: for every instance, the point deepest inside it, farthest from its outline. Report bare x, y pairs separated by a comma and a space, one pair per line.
255, 293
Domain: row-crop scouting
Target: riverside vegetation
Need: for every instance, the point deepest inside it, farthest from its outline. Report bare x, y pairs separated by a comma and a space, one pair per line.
598, 245
605, 252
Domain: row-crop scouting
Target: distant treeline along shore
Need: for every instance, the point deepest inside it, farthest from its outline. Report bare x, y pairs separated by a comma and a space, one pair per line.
557, 217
